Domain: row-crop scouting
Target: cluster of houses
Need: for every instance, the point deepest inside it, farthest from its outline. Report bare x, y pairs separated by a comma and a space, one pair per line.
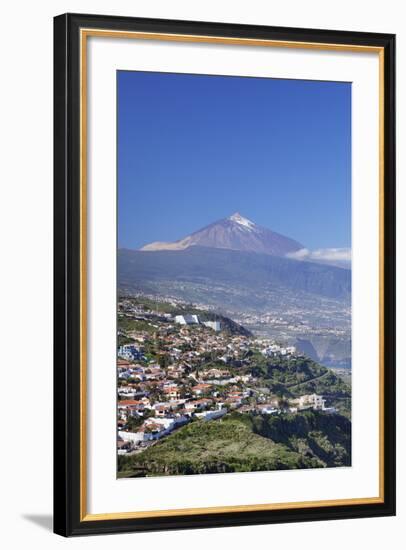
185, 369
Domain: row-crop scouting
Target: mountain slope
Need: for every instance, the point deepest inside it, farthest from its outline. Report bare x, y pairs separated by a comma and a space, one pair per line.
233, 233
241, 442
212, 267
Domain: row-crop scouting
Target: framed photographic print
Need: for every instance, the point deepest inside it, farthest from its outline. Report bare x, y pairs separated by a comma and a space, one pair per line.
224, 274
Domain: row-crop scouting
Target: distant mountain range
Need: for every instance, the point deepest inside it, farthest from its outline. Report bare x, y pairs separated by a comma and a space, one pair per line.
233, 233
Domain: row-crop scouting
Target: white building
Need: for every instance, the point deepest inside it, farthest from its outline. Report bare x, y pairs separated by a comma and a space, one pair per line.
275, 349
215, 325
187, 319
316, 402
129, 352
271, 350
194, 320
136, 437
211, 415
268, 409
168, 423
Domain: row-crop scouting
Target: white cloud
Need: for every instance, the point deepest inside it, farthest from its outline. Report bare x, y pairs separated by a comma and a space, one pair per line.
336, 256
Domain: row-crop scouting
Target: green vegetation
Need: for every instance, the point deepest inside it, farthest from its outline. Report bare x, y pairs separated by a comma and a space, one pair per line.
134, 422
122, 340
244, 442
326, 436
295, 376
130, 325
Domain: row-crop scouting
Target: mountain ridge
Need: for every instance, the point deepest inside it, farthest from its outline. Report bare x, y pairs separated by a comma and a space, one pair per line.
137, 268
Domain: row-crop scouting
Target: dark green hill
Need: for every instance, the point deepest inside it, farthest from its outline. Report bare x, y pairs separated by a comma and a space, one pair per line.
245, 443
312, 433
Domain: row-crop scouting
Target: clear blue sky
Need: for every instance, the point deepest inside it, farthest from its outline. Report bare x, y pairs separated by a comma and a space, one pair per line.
193, 149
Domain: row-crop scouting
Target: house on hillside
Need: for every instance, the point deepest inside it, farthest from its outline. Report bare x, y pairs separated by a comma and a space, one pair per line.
312, 401
187, 319
215, 325
172, 392
198, 404
199, 389
212, 414
267, 408
130, 407
129, 352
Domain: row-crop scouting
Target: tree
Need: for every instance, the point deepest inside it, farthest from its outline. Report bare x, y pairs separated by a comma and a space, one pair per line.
283, 403
134, 422
163, 361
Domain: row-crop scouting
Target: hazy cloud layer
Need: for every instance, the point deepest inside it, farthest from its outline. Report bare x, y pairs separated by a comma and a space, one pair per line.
335, 256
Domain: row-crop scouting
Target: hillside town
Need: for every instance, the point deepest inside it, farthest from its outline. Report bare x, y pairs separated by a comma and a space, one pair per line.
178, 365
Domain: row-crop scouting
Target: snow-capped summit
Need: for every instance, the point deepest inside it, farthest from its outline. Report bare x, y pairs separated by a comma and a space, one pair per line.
245, 222
235, 233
